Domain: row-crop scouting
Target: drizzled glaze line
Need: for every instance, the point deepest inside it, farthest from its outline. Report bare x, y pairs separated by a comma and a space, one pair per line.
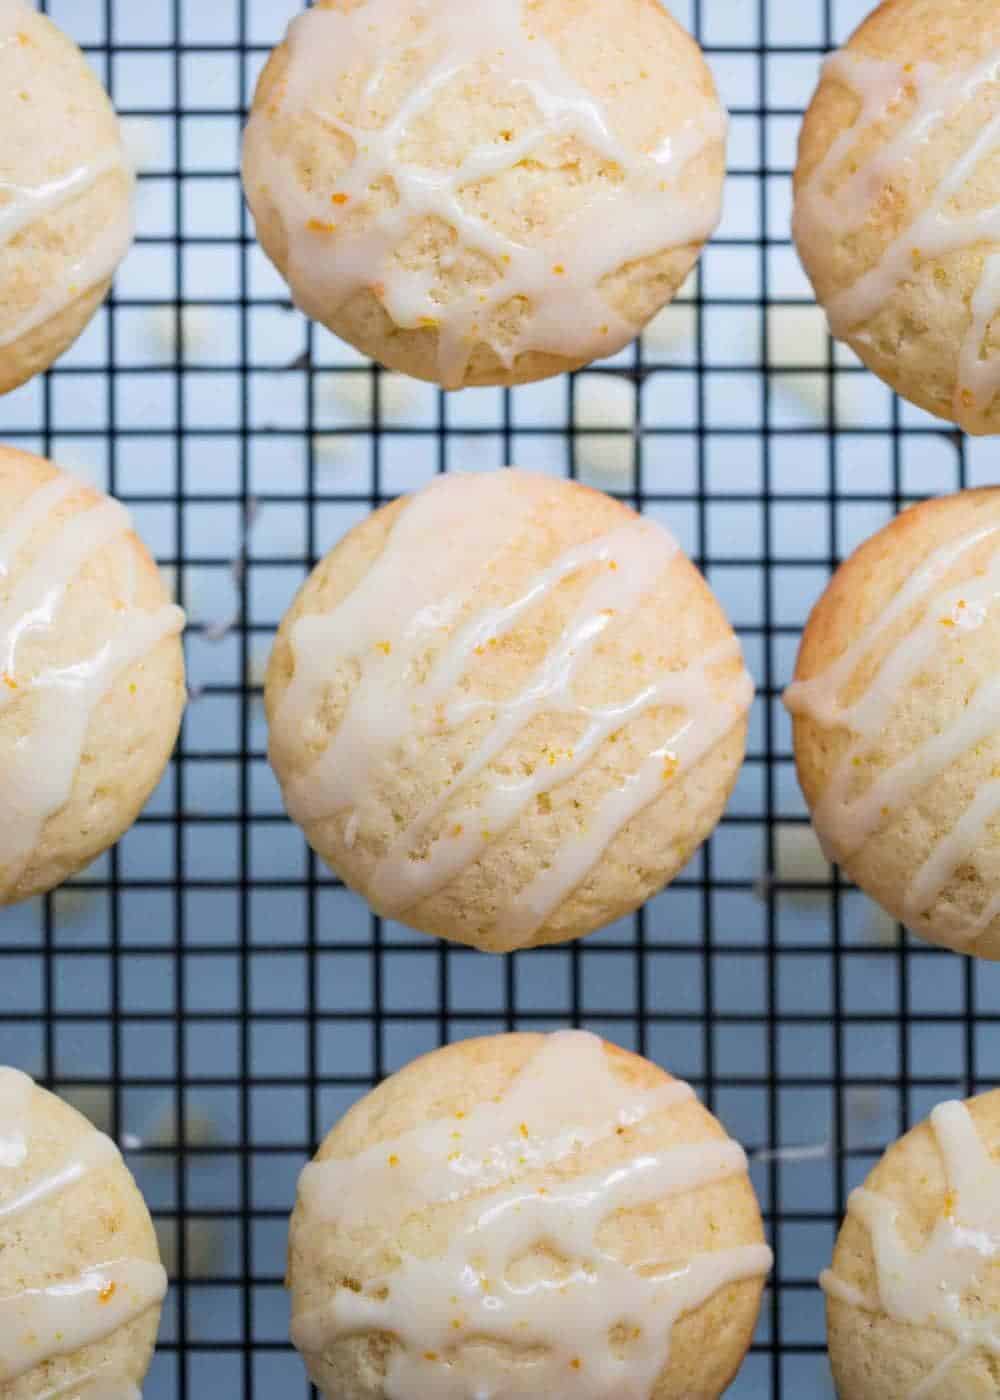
847, 819
939, 97
385, 635
561, 275
40, 1324
38, 776
15, 1095
23, 204
928, 1286
435, 1307
448, 1161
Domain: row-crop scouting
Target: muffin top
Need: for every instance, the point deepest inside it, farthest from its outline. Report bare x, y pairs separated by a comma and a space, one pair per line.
894, 702
897, 188
65, 184
91, 673
482, 690
472, 192
914, 1291
80, 1277
527, 1215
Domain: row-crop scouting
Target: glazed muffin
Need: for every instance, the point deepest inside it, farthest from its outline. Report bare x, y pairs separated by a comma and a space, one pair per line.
506, 709
91, 675
913, 1298
485, 194
80, 1277
896, 192
526, 1215
65, 193
894, 702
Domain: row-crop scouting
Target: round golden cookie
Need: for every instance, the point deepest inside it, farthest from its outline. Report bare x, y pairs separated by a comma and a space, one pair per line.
896, 742
526, 1215
91, 675
506, 709
485, 194
81, 1282
65, 193
921, 1313
896, 189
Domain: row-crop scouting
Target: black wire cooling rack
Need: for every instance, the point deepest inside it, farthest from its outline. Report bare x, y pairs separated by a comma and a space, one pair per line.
208, 992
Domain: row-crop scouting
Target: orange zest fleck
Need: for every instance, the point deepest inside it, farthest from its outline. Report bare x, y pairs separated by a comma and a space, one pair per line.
612, 564
670, 767
384, 647
320, 226
339, 198
107, 1292
559, 270
968, 398
576, 1363
950, 1201
393, 1160
524, 1130
9, 681
430, 1356
456, 831
947, 622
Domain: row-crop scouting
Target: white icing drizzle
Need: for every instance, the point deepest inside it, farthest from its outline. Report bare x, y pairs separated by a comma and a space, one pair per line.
939, 97
15, 1092
424, 580
848, 819
437, 1308
928, 1286
38, 775
561, 274
40, 1324
21, 205
448, 1160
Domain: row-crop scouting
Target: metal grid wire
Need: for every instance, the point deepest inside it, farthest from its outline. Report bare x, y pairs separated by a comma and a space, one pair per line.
207, 991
